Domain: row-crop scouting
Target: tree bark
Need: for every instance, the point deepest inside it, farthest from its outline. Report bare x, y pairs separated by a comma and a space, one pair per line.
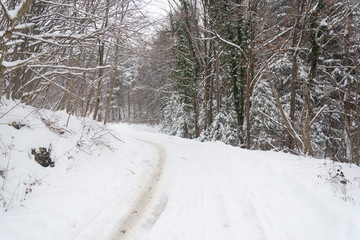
211, 90
294, 77
217, 79
113, 83
296, 43
98, 90
250, 73
101, 62
357, 160
1, 80
206, 67
196, 117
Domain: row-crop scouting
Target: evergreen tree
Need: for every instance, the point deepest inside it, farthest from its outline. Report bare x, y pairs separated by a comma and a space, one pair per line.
264, 118
223, 128
188, 68
176, 120
232, 27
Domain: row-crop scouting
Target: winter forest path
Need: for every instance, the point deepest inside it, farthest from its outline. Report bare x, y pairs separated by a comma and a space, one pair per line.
148, 206
211, 191
191, 194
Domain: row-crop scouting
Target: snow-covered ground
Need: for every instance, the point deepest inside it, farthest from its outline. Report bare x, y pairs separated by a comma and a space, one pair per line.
94, 181
215, 191
206, 190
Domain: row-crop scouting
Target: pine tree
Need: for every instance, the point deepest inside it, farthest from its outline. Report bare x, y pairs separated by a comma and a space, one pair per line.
264, 118
176, 119
188, 67
232, 27
223, 128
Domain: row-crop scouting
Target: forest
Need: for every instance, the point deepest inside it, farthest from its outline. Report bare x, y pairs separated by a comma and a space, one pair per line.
258, 74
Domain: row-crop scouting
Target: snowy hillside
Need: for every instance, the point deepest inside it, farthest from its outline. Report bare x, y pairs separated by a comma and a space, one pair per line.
93, 170
205, 191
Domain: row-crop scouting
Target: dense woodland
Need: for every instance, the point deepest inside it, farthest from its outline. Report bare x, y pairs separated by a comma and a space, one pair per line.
259, 74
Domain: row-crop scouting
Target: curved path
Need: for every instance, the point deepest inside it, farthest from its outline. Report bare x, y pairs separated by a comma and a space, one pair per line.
148, 206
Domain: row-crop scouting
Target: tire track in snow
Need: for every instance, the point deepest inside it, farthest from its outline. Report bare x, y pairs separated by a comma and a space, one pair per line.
216, 195
148, 207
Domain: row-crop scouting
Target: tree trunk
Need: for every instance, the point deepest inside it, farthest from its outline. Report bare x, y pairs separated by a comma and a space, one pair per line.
206, 68
357, 119
294, 77
81, 93
305, 120
113, 82
109, 98
217, 79
101, 62
206, 83
250, 74
89, 97
1, 80
196, 117
296, 43
211, 90
357, 150
64, 97
68, 106
346, 112
129, 103
101, 72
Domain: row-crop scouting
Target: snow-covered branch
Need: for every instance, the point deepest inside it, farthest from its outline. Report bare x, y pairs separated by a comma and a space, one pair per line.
318, 114
68, 67
18, 63
231, 44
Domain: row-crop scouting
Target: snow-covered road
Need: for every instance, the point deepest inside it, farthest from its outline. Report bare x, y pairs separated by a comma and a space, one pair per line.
148, 207
196, 203
205, 198
214, 191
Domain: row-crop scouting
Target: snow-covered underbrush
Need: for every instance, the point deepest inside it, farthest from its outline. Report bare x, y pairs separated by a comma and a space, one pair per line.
344, 179
64, 177
30, 137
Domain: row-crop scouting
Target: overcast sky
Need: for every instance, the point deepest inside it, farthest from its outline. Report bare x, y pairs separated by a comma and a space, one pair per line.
157, 8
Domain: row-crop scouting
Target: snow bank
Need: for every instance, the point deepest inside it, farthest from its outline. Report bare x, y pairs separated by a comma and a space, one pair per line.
95, 178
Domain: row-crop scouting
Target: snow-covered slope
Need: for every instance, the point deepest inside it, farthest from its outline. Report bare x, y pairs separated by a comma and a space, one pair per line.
95, 178
207, 190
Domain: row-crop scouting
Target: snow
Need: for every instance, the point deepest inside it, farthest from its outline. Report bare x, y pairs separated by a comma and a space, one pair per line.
216, 191
24, 25
16, 63
95, 175
207, 190
324, 22
15, 42
14, 13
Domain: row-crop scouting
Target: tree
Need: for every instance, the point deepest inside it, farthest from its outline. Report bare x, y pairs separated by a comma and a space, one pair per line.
188, 66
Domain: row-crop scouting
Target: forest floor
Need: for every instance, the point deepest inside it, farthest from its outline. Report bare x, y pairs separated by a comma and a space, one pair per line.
131, 182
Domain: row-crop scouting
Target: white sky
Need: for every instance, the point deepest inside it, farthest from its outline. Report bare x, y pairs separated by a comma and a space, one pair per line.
157, 8
157, 11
